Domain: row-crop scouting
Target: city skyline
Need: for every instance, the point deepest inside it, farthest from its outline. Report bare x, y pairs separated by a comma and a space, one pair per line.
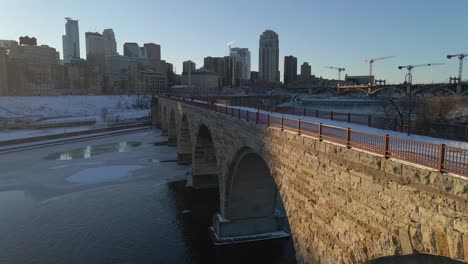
309, 35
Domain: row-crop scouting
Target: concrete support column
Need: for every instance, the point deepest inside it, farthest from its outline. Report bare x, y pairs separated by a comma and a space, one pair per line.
225, 231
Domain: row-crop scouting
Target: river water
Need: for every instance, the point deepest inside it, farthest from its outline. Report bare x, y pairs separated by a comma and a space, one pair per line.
120, 199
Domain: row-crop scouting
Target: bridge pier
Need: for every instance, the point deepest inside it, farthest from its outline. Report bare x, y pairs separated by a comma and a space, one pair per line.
155, 115
226, 231
205, 170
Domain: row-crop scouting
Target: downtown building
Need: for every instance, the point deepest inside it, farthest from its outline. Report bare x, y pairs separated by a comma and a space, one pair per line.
228, 68
32, 70
242, 56
201, 81
269, 57
71, 41
131, 50
290, 69
95, 51
3, 72
306, 71
110, 44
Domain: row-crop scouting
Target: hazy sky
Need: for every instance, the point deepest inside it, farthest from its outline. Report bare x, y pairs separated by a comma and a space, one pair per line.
324, 33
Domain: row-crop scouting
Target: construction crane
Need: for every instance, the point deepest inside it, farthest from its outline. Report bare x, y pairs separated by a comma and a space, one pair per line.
338, 69
460, 67
411, 67
371, 62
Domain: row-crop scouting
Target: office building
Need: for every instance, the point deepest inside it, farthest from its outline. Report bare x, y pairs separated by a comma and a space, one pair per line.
290, 69
7, 44
110, 44
189, 66
95, 50
31, 70
131, 50
204, 81
244, 58
306, 71
220, 66
269, 56
71, 40
153, 51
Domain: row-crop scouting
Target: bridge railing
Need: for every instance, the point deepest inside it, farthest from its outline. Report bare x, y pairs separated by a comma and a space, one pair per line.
436, 156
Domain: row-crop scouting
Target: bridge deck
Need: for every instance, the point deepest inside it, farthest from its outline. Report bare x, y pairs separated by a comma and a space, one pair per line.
440, 157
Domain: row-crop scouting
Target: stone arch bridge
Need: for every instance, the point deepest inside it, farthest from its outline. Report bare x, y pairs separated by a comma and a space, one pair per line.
343, 205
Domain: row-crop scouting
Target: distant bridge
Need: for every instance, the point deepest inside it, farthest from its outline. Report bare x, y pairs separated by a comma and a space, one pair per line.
350, 196
375, 90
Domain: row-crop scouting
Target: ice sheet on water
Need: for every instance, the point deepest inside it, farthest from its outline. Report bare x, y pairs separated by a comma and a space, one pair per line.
103, 174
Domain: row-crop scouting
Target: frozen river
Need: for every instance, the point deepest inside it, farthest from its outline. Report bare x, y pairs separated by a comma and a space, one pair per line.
120, 199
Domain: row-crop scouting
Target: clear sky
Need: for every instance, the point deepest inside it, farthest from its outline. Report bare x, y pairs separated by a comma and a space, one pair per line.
324, 33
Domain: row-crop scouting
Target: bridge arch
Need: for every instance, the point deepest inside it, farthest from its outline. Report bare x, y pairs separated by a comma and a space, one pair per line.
250, 188
184, 142
250, 202
205, 170
172, 131
385, 89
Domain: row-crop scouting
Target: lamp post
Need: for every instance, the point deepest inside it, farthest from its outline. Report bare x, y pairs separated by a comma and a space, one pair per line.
409, 80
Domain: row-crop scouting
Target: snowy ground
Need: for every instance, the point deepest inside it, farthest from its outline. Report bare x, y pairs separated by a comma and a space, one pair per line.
104, 110
73, 108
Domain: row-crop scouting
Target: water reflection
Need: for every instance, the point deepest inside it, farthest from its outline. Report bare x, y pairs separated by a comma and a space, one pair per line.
195, 215
91, 151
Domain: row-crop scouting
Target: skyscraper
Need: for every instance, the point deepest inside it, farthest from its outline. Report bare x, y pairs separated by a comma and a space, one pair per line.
269, 56
306, 71
244, 58
110, 45
71, 40
131, 50
189, 66
153, 51
95, 50
290, 69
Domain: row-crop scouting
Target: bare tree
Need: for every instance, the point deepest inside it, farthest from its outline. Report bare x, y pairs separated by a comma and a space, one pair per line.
439, 109
396, 113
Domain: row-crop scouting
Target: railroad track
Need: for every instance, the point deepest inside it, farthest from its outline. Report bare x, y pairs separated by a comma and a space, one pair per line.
52, 142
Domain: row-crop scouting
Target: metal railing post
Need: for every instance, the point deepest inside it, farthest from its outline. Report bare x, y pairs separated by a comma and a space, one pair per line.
441, 157
348, 137
238, 113
466, 133
386, 144
282, 122
299, 126
320, 131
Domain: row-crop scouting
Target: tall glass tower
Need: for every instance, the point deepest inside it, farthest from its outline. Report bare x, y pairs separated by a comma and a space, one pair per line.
71, 40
